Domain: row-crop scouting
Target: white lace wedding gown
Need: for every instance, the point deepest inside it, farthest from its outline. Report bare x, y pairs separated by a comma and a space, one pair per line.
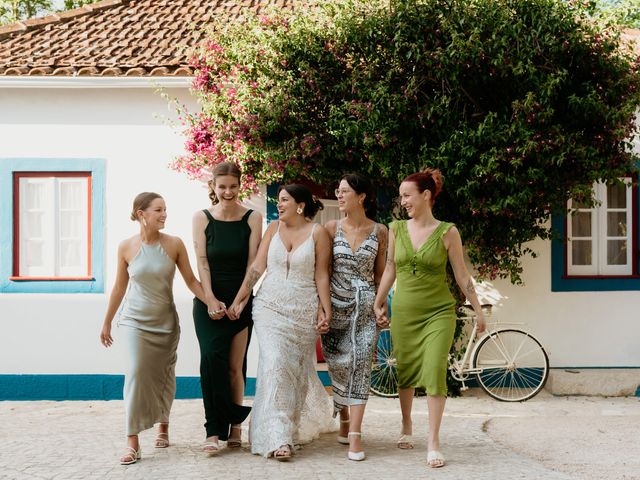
291, 406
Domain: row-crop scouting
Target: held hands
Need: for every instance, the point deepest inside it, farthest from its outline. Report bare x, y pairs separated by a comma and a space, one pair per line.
216, 309
105, 335
382, 316
322, 326
236, 308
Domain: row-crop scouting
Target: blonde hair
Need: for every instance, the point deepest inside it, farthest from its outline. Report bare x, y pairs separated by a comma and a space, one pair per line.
142, 202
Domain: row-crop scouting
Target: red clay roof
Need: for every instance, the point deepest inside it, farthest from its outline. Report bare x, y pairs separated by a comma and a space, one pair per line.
115, 37
123, 37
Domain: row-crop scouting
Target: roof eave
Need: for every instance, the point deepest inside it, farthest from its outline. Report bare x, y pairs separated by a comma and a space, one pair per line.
23, 81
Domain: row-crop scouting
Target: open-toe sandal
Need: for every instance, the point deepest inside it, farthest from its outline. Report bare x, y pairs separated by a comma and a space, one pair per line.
282, 454
162, 440
435, 459
211, 448
131, 456
405, 442
235, 442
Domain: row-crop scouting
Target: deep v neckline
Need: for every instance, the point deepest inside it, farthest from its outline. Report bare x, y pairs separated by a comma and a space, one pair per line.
354, 252
293, 250
426, 240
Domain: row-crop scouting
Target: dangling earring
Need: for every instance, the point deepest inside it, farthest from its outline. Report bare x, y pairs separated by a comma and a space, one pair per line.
144, 222
299, 210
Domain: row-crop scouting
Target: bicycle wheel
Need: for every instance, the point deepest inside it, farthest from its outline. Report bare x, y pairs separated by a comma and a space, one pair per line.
513, 365
384, 378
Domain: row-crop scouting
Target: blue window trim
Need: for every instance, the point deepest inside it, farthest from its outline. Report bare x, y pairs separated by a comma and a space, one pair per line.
97, 168
559, 280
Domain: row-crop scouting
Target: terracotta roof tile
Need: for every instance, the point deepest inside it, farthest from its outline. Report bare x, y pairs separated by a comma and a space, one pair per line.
116, 37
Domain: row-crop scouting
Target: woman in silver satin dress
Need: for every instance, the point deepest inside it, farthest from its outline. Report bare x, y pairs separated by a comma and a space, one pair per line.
148, 320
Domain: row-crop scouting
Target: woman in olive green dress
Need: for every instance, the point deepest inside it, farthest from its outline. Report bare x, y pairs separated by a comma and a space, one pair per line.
423, 307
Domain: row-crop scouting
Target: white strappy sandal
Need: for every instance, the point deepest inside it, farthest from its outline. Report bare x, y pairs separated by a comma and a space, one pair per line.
131, 456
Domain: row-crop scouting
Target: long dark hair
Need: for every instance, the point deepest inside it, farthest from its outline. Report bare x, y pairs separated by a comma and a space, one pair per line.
362, 184
301, 194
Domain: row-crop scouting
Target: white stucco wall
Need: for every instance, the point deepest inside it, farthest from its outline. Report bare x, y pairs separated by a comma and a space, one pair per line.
578, 329
58, 333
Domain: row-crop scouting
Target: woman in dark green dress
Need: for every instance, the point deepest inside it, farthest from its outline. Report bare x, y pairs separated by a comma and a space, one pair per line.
226, 238
423, 308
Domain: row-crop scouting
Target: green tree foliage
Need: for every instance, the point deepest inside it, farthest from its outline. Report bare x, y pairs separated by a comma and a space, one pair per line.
521, 103
619, 12
71, 4
14, 10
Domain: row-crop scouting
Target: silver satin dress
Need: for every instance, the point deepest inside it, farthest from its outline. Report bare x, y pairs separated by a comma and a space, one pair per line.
149, 329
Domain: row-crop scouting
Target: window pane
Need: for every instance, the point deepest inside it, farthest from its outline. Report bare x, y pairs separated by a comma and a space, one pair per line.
70, 224
581, 252
34, 224
617, 224
616, 196
71, 195
35, 193
70, 253
34, 254
616, 252
581, 224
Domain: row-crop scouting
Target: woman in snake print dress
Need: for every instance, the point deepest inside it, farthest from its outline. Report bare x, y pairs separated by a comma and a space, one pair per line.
359, 246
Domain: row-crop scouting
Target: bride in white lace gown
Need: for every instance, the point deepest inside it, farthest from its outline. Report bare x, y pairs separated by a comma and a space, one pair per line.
292, 306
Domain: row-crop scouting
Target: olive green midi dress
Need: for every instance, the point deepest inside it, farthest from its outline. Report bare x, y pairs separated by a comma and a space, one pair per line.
423, 310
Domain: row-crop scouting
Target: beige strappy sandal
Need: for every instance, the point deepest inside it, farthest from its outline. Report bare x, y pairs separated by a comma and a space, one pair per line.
405, 442
283, 454
211, 448
162, 440
235, 442
131, 456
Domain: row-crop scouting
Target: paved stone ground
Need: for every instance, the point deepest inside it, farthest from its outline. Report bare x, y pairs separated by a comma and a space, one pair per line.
547, 437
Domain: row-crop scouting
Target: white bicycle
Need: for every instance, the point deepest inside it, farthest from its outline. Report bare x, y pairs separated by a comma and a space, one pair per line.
508, 362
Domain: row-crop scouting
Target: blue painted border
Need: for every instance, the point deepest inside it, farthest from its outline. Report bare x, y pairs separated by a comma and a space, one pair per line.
97, 168
95, 387
559, 282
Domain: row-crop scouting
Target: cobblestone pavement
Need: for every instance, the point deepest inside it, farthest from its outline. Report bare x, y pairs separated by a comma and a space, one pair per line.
544, 438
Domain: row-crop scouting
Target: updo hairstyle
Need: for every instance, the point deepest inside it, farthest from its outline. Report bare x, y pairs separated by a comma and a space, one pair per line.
429, 179
142, 202
302, 194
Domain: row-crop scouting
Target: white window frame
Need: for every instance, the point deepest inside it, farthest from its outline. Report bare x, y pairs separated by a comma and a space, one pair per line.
51, 239
599, 236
